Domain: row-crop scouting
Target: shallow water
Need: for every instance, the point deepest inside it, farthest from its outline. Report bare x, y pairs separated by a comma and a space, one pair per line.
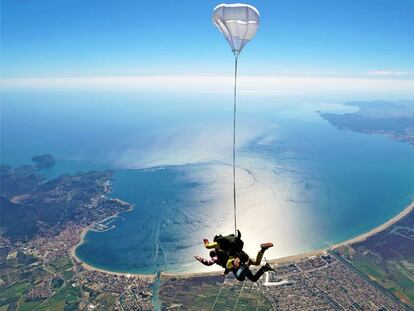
302, 183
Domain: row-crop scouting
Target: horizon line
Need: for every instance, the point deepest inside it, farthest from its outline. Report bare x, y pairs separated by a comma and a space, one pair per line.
278, 84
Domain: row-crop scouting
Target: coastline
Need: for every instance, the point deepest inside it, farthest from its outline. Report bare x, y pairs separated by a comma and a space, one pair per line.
360, 238
380, 228
88, 267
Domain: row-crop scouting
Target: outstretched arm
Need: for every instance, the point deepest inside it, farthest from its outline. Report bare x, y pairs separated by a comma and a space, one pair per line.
210, 245
206, 262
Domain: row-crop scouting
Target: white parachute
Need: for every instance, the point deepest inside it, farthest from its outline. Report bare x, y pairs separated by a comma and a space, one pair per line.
238, 22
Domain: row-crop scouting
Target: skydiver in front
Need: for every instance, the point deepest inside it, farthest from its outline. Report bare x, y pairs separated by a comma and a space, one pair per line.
242, 271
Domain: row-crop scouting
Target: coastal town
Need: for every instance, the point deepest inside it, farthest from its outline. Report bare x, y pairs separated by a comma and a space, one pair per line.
370, 272
38, 266
48, 275
315, 282
311, 282
324, 283
42, 271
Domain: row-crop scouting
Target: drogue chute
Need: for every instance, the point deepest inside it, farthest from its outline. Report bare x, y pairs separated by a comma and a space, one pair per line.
239, 23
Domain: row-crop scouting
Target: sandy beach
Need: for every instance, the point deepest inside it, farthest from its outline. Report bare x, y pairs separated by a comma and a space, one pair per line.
378, 229
83, 233
359, 238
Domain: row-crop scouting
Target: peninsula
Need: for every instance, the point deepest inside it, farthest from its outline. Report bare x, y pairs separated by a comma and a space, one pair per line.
393, 119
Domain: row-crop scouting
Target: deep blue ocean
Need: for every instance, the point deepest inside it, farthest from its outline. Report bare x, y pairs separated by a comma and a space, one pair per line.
302, 183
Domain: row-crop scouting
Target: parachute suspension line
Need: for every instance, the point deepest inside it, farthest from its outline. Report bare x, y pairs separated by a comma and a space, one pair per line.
236, 55
218, 294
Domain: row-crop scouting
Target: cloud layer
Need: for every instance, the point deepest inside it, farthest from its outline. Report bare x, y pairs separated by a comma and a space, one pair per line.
378, 82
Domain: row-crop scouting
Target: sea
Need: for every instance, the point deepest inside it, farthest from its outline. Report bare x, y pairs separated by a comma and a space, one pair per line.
302, 183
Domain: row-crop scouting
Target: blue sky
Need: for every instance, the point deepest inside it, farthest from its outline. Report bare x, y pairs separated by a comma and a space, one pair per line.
51, 38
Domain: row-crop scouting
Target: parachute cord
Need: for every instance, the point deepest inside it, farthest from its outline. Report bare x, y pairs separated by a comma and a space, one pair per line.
234, 143
218, 294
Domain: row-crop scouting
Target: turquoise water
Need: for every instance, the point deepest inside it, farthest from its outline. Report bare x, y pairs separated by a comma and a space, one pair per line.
302, 183
161, 224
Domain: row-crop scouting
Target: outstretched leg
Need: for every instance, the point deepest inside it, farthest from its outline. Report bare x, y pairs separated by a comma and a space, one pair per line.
259, 257
246, 273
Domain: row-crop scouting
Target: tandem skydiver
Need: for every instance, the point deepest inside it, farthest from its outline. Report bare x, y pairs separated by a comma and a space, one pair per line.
228, 253
222, 248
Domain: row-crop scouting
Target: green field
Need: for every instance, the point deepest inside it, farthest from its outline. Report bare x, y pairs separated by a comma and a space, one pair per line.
206, 294
23, 273
396, 276
66, 298
106, 301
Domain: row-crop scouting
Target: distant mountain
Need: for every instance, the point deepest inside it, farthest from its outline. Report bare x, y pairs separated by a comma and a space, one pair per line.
20, 180
16, 220
25, 178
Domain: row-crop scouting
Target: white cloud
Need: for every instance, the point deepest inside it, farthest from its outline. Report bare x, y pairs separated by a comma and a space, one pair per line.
279, 85
388, 73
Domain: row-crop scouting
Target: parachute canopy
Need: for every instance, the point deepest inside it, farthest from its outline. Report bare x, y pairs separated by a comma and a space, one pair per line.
238, 22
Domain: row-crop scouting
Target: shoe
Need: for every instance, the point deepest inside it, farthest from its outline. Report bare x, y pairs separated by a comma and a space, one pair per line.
267, 267
265, 246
